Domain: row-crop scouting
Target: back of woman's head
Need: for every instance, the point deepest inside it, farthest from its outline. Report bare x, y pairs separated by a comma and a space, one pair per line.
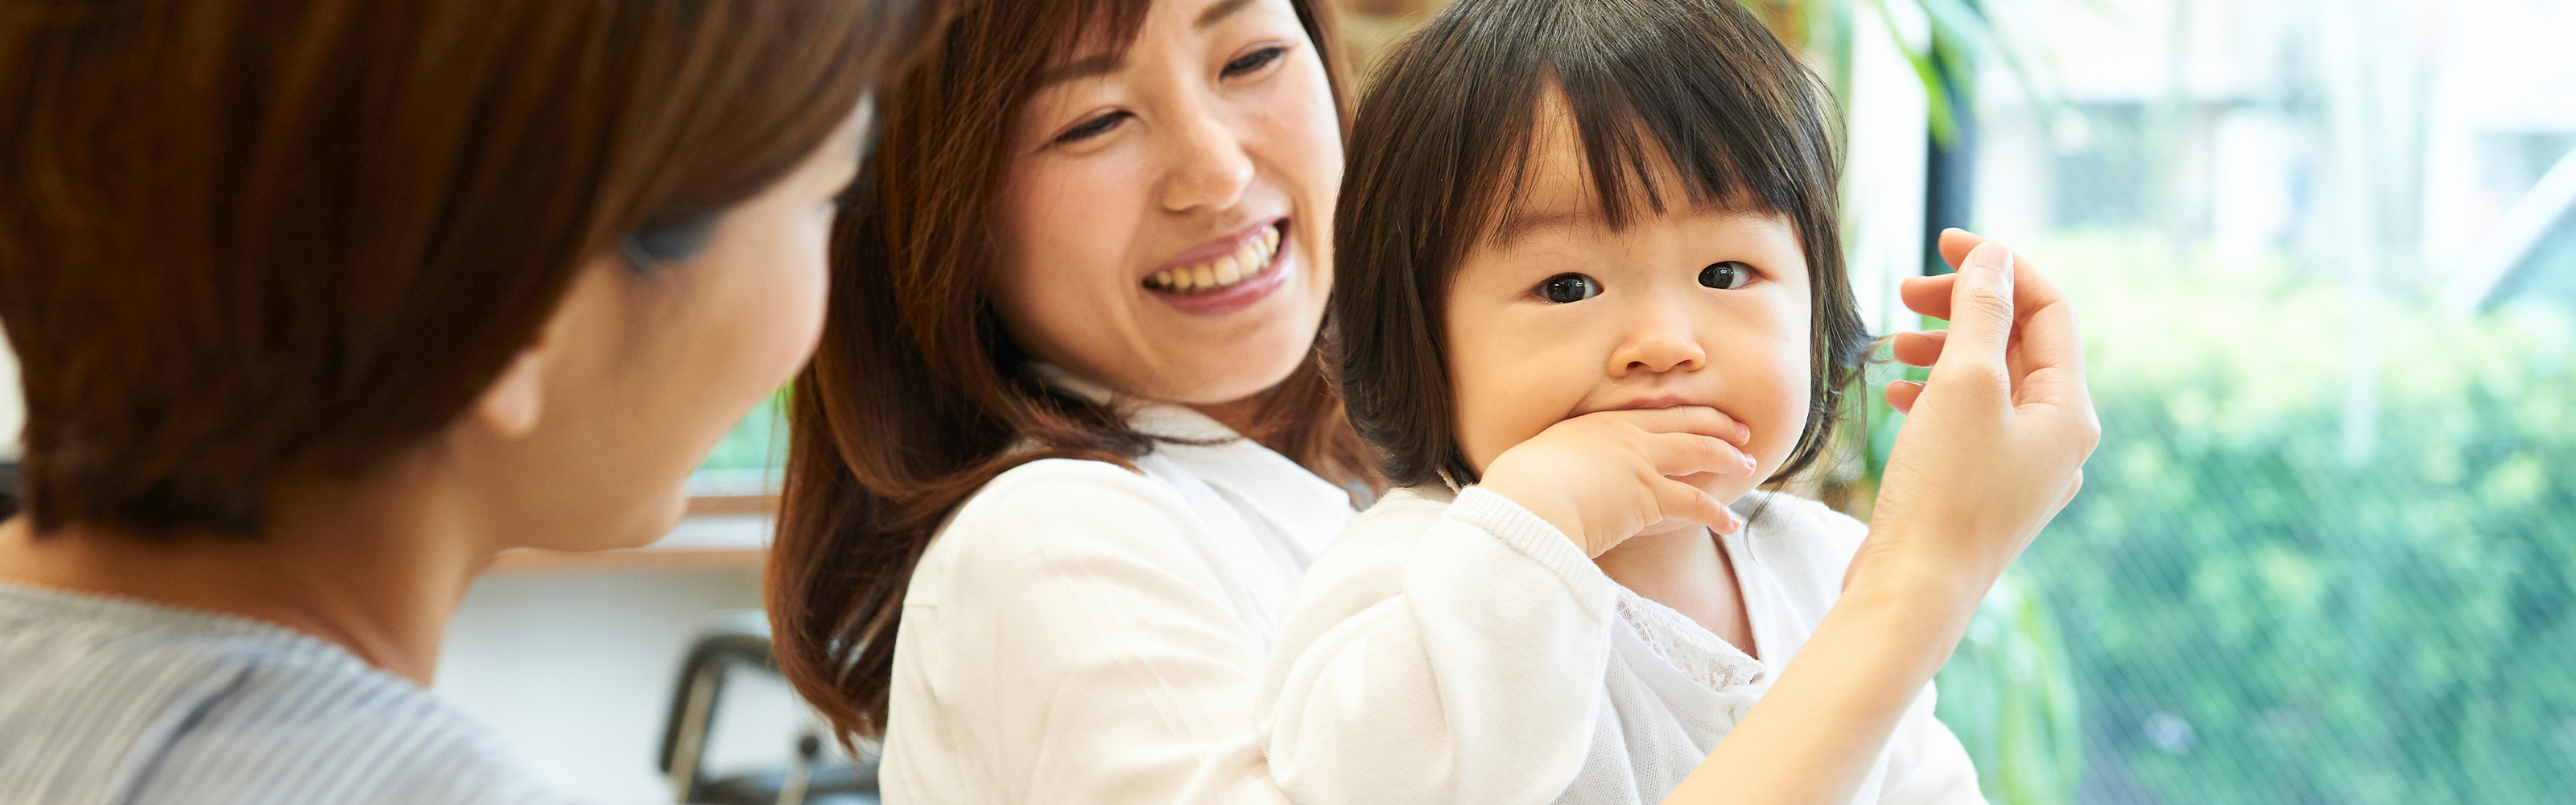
245, 240
917, 395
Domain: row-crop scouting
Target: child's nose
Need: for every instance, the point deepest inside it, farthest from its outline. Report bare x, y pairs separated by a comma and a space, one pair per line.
1659, 342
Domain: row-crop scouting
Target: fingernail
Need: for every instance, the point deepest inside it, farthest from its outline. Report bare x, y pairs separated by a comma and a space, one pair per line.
1748, 465
1991, 255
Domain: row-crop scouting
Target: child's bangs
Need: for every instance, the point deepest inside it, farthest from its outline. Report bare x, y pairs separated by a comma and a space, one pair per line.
1651, 105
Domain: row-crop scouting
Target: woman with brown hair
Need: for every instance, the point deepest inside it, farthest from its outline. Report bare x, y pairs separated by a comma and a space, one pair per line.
1068, 444
1072, 336
321, 304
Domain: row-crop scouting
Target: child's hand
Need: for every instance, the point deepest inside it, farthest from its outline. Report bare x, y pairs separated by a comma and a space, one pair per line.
1609, 475
1995, 441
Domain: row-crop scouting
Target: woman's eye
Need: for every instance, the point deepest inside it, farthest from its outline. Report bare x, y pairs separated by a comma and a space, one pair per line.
1254, 61
1564, 288
1089, 128
1726, 276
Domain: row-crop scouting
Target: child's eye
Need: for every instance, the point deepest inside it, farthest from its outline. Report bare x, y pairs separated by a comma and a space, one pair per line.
1564, 288
1726, 276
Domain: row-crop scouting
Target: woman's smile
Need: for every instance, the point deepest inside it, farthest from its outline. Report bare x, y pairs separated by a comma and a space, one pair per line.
1225, 275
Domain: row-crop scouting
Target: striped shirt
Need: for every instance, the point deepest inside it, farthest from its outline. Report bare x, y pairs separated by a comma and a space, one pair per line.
108, 700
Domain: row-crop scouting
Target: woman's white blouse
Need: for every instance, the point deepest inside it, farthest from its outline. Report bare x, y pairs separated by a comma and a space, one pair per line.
1464, 651
1080, 633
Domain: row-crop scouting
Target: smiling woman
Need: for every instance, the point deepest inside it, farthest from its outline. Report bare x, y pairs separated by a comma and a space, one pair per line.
1195, 285
1074, 339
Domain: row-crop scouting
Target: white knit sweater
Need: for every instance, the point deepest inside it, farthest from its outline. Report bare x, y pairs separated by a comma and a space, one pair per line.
1463, 650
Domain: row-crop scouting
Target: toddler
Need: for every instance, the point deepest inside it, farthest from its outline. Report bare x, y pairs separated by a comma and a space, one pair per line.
1588, 286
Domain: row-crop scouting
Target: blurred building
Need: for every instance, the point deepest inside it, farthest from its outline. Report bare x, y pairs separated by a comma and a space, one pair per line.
2402, 139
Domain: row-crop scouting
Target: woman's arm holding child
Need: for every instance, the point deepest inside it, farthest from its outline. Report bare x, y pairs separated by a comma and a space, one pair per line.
1993, 449
1391, 676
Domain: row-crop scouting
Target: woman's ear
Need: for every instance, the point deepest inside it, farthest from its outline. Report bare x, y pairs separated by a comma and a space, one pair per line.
515, 401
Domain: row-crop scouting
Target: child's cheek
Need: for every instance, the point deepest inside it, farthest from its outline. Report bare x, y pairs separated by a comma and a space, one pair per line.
1778, 408
1503, 401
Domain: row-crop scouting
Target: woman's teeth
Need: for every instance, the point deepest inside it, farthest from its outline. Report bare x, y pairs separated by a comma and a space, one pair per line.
1223, 272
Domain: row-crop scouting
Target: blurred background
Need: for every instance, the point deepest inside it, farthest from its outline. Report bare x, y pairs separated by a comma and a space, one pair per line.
2326, 256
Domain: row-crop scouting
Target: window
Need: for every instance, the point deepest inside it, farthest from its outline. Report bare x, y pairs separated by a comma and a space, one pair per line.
742, 475
2326, 256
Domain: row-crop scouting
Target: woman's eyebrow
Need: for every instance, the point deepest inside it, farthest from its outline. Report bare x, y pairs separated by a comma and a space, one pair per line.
1086, 67
1104, 64
1217, 13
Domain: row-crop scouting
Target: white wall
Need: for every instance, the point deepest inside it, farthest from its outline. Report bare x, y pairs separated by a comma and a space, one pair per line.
1883, 170
575, 670
13, 404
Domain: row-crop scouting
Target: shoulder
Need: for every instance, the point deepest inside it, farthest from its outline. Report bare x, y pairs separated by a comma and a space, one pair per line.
152, 705
1046, 499
1067, 484
1051, 517
287, 735
1805, 542
1378, 542
1060, 483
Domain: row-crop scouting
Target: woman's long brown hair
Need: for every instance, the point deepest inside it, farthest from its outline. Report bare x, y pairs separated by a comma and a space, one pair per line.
916, 397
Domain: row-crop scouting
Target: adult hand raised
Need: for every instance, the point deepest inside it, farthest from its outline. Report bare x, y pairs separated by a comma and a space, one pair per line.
1991, 449
1995, 440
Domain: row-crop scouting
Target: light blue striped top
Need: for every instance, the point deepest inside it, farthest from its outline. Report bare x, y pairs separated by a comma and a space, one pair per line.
107, 700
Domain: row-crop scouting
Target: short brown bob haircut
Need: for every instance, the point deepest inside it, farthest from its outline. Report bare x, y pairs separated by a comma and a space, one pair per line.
1439, 149
247, 241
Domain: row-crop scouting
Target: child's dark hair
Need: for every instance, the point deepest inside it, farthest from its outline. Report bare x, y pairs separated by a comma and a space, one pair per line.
1440, 147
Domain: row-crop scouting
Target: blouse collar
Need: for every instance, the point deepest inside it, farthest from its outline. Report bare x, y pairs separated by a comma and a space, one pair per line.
1160, 420
1291, 497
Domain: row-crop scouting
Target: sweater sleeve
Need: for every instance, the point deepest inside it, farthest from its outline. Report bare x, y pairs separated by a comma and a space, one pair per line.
1439, 653
1926, 765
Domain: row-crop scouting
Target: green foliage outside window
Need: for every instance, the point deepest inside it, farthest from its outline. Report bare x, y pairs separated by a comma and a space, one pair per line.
2008, 695
2258, 599
748, 460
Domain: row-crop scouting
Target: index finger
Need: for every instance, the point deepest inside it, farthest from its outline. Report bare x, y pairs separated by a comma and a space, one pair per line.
1699, 419
2050, 345
1930, 296
2050, 335
1956, 243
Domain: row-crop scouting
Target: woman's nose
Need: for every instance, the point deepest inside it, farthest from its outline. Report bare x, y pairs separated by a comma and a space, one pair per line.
1207, 167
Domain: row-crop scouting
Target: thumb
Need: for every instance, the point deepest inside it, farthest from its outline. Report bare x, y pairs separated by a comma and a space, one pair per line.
1981, 315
